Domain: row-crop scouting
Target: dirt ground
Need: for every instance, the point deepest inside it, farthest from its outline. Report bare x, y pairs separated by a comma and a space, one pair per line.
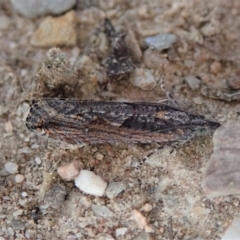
166, 189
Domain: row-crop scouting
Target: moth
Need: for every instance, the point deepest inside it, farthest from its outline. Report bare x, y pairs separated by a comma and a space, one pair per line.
80, 122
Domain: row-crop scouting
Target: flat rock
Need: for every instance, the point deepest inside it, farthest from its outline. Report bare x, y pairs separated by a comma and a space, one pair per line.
55, 196
17, 224
161, 41
56, 31
222, 175
114, 188
193, 82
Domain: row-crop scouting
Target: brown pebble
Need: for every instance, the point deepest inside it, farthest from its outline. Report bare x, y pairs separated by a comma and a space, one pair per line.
69, 172
215, 67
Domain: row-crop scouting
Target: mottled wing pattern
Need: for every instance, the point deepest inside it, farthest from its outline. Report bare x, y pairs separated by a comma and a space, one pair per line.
76, 122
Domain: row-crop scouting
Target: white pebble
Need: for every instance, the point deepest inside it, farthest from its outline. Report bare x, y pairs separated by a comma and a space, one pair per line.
135, 163
121, 231
161, 41
146, 208
24, 194
19, 178
144, 79
90, 183
17, 212
99, 156
11, 167
38, 160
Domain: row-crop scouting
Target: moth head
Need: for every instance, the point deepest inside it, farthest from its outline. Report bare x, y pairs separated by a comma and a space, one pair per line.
201, 131
37, 120
208, 127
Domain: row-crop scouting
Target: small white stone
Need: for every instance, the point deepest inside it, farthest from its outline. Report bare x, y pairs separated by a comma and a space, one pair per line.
161, 41
197, 100
146, 208
144, 79
99, 156
121, 231
19, 178
24, 194
21, 202
38, 160
13, 45
17, 212
11, 167
90, 183
23, 72
135, 163
30, 234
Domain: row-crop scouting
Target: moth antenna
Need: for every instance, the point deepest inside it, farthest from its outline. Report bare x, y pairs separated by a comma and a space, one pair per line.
169, 96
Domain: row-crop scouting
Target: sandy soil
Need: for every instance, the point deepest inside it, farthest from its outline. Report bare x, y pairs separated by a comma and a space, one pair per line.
170, 181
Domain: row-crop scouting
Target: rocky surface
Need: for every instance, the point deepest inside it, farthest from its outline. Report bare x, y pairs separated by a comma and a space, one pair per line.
162, 197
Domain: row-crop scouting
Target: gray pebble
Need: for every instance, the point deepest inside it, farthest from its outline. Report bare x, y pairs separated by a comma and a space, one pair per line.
114, 188
35, 8
193, 82
17, 224
30, 234
161, 41
135, 163
55, 196
102, 211
4, 173
11, 167
144, 79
